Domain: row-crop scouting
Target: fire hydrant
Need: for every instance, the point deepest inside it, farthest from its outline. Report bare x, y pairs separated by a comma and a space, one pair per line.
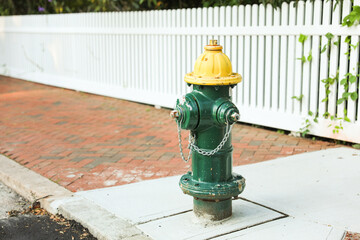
209, 114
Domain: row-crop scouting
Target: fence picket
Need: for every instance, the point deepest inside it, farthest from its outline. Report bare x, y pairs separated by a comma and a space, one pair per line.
275, 64
174, 59
227, 43
334, 61
189, 66
343, 62
354, 70
283, 59
247, 58
324, 60
222, 20
306, 65
254, 57
314, 78
194, 46
298, 64
234, 42
240, 54
268, 58
261, 60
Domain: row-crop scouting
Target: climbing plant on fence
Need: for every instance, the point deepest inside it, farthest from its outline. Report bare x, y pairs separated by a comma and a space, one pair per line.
346, 80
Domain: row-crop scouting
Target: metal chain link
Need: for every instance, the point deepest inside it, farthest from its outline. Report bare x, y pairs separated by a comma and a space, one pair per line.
180, 144
192, 145
221, 144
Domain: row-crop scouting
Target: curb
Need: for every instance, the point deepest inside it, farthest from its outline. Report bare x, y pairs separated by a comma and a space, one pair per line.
31, 185
58, 200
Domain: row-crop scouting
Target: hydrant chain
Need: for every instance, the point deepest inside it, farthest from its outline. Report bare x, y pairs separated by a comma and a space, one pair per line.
221, 144
180, 144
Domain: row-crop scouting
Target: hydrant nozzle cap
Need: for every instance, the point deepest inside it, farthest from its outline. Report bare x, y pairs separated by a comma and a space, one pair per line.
213, 68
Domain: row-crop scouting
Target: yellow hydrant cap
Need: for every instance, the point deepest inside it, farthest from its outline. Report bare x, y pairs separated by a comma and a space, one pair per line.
213, 68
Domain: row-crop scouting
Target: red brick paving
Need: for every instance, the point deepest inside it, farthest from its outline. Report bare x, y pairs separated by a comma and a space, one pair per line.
351, 236
83, 141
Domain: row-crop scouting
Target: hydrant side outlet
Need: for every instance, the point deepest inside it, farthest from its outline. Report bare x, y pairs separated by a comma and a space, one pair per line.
209, 113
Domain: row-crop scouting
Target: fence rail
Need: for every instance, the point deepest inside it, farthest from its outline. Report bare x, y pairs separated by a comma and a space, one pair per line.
143, 57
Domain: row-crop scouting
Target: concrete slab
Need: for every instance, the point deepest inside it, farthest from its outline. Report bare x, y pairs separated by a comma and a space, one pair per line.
319, 190
188, 226
286, 228
143, 201
322, 187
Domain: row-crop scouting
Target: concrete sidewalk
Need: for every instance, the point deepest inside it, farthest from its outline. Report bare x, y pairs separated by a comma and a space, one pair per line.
83, 141
307, 196
311, 196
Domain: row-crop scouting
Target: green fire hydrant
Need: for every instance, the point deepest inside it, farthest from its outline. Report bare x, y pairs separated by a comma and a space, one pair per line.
209, 114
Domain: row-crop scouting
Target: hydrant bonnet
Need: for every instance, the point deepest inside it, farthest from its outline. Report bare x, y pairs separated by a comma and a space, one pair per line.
213, 68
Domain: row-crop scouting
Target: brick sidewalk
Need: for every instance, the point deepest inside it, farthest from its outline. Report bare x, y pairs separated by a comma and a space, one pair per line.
83, 141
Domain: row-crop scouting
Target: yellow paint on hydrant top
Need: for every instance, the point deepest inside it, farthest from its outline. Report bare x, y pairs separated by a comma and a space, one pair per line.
213, 68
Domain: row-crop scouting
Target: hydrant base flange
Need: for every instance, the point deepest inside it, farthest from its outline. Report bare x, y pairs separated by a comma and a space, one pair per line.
212, 191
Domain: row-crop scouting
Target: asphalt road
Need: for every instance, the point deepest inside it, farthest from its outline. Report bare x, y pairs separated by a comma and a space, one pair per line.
9, 200
18, 221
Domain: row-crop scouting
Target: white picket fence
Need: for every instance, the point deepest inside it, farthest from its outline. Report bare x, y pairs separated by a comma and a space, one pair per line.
143, 57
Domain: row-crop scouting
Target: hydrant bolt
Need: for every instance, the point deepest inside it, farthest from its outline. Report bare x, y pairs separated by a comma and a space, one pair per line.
208, 111
174, 114
235, 117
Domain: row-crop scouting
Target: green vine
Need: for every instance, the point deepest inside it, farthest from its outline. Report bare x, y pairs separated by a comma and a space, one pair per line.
348, 79
353, 18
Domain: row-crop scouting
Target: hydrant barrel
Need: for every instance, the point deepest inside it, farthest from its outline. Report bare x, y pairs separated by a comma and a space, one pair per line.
209, 113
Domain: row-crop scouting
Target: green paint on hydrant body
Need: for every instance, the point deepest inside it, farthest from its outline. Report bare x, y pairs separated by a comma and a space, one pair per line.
208, 113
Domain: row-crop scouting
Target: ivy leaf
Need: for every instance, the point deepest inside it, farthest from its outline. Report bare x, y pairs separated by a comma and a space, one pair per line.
354, 96
352, 79
340, 101
353, 17
354, 46
337, 43
329, 36
302, 38
331, 80
343, 81
346, 119
316, 120
346, 95
309, 58
323, 49
348, 39
303, 59
310, 113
